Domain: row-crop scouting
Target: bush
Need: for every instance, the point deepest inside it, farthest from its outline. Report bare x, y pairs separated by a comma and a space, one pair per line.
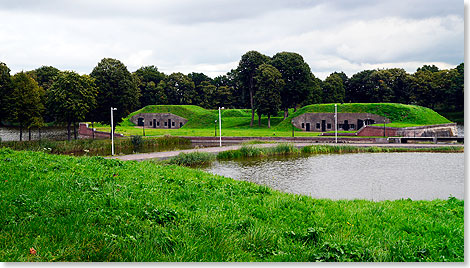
192, 159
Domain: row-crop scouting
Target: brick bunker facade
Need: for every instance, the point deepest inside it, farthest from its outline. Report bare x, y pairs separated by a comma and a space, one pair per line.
158, 120
321, 122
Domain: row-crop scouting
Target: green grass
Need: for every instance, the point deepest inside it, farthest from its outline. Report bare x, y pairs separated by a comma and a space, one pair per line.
96, 209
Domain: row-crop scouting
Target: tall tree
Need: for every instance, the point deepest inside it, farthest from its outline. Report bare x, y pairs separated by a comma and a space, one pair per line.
201, 82
5, 91
359, 86
149, 77
333, 89
117, 88
71, 97
45, 76
246, 72
297, 77
26, 106
268, 96
315, 92
458, 88
180, 89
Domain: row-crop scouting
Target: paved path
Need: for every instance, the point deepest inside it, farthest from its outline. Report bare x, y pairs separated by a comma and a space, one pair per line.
166, 155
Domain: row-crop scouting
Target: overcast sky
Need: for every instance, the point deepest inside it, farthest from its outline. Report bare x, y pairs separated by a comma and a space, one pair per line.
210, 36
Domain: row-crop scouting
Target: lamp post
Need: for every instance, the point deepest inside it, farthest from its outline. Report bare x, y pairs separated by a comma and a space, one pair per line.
336, 123
220, 127
143, 127
112, 130
215, 128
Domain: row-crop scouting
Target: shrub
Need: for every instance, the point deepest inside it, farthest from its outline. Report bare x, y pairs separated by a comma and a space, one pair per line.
192, 159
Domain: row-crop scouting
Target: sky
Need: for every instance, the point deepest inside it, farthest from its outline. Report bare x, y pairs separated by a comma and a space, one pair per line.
210, 36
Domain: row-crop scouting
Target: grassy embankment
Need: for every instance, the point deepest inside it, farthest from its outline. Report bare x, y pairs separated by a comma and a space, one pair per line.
95, 209
236, 122
101, 146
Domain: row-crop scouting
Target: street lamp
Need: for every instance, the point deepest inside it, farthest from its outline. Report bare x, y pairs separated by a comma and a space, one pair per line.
112, 130
143, 126
220, 127
336, 123
215, 128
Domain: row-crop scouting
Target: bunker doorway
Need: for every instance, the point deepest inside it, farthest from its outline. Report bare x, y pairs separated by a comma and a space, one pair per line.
346, 125
307, 127
140, 122
154, 123
169, 123
323, 125
360, 123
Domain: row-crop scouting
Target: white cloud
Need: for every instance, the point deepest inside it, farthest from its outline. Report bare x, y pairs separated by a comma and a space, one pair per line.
211, 36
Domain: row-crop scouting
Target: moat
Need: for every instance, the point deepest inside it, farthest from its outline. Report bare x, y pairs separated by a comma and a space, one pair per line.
371, 176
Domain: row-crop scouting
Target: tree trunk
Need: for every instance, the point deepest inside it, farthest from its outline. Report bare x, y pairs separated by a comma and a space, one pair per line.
74, 130
259, 119
93, 129
286, 112
29, 134
68, 131
269, 121
21, 132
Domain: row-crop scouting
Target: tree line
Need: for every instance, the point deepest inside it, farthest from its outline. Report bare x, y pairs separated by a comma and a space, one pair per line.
264, 84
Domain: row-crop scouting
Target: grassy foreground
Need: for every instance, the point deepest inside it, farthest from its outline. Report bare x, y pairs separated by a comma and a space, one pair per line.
95, 209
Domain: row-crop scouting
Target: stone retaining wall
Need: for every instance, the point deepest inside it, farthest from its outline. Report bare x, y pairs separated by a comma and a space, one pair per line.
441, 130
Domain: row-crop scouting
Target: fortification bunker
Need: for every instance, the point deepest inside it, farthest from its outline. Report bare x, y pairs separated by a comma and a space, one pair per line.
321, 122
158, 120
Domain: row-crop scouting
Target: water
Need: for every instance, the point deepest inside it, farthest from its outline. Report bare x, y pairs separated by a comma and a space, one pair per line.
460, 130
371, 176
51, 133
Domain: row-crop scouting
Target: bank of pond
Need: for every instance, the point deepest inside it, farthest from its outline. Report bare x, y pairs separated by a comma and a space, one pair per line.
63, 208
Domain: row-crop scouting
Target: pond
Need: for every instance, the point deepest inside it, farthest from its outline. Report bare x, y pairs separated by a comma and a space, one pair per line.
51, 133
371, 176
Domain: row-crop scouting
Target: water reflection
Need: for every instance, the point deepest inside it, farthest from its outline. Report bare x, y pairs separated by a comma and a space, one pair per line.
378, 176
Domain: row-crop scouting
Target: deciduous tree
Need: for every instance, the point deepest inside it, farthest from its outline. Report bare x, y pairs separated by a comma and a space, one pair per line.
116, 88
246, 72
268, 96
71, 97
26, 106
297, 77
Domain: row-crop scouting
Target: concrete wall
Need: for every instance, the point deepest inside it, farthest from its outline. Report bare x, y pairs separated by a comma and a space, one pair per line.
326, 121
441, 130
159, 120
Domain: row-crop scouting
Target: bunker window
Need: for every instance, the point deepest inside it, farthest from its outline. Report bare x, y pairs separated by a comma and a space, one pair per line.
158, 123
166, 123
303, 125
328, 126
318, 125
181, 124
173, 123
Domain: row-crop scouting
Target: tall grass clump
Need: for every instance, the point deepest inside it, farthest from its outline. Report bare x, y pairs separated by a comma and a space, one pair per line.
192, 159
342, 149
252, 151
